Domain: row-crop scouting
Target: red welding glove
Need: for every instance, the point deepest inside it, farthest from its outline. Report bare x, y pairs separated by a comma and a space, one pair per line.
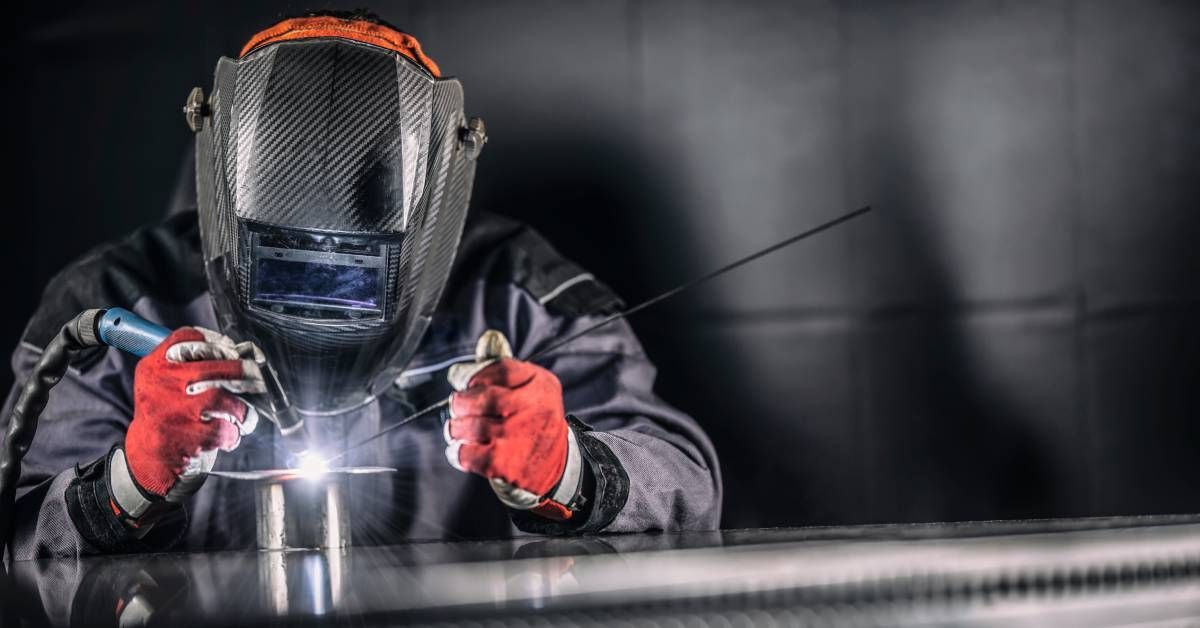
508, 425
184, 411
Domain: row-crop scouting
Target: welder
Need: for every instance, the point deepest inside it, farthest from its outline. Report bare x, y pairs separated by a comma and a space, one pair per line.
329, 233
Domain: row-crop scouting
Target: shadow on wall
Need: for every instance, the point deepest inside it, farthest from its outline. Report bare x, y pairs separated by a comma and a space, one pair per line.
935, 443
932, 438
944, 444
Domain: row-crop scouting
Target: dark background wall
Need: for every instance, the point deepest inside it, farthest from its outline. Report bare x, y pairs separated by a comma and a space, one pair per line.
1013, 332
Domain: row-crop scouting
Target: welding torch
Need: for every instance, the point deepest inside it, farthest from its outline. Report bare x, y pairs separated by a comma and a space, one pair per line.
125, 330
120, 328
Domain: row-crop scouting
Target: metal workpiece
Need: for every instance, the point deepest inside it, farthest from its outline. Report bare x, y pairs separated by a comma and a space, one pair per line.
297, 510
302, 514
270, 514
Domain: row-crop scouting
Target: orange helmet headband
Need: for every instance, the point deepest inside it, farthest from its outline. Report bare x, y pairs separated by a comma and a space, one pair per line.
378, 35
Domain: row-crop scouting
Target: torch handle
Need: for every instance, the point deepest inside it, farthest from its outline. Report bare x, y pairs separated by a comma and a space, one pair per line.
129, 332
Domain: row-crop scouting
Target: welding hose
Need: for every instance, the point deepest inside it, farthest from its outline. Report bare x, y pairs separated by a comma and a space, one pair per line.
78, 335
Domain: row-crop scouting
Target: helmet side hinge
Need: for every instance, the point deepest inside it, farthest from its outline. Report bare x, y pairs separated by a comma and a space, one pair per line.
473, 137
196, 109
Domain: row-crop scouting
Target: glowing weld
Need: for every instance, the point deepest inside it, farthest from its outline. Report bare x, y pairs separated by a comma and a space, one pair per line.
310, 465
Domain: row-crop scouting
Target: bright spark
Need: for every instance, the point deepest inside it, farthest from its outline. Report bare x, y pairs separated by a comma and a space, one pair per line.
311, 465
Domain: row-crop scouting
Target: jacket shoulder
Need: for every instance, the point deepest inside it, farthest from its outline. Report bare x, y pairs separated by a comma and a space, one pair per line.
501, 250
161, 262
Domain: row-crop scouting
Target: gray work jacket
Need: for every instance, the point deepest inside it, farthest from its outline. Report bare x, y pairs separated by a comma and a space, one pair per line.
653, 468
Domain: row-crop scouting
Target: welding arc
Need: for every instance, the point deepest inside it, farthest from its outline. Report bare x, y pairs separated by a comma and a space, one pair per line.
687, 285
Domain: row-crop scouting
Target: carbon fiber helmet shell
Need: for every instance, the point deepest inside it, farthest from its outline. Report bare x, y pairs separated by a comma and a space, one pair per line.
332, 184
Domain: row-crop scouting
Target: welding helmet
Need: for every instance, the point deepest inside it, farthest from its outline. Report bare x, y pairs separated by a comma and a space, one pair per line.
333, 167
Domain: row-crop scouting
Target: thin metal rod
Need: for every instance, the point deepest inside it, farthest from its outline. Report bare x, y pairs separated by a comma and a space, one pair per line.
408, 419
701, 279
632, 310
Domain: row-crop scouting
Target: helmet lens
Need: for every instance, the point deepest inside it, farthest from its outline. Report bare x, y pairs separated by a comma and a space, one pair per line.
318, 275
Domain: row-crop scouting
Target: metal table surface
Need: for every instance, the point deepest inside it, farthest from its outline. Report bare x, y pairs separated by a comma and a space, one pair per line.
1105, 571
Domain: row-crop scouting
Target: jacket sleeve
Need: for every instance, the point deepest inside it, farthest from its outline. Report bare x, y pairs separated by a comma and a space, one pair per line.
63, 506
652, 466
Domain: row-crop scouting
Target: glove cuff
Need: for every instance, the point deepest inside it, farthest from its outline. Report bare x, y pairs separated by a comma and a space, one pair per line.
605, 486
562, 501
566, 498
127, 495
566, 491
136, 507
93, 510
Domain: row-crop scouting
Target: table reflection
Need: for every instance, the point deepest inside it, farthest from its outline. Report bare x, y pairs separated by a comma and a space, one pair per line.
759, 569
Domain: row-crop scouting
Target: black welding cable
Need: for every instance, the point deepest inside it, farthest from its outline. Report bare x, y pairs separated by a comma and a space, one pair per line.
75, 337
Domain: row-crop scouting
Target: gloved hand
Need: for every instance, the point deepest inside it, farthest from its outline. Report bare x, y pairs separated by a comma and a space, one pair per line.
508, 425
185, 411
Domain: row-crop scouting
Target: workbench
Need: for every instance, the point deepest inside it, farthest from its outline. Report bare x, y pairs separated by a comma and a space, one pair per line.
1101, 571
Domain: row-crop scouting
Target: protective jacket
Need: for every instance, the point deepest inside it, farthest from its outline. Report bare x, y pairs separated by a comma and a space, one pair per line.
654, 468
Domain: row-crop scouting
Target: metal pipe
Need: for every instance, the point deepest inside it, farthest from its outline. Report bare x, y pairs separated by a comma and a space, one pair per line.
299, 513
